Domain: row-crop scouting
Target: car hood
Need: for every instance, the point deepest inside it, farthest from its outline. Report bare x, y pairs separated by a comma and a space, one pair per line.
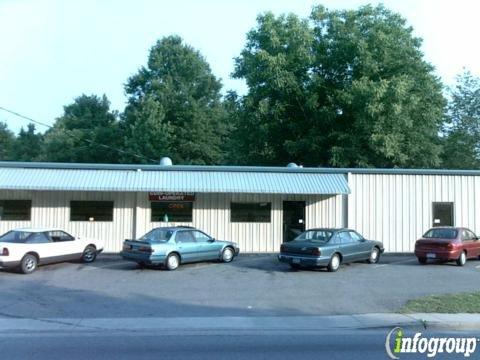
225, 242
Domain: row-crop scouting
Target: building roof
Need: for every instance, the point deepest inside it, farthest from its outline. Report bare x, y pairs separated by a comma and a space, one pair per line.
155, 178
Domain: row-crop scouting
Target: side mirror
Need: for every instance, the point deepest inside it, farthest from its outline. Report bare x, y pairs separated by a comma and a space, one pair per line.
211, 240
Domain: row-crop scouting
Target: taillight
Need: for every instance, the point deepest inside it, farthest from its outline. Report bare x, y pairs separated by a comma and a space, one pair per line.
450, 246
5, 252
282, 248
316, 251
145, 249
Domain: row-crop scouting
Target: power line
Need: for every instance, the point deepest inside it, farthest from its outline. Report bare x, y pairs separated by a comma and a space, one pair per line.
77, 138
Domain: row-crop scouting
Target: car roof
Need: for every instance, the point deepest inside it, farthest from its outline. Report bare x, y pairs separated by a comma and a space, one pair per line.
330, 229
175, 228
37, 230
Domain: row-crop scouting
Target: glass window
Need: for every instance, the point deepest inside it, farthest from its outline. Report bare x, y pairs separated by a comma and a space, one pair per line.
184, 237
200, 236
91, 210
172, 211
441, 234
58, 236
355, 236
38, 238
345, 237
251, 212
15, 237
160, 235
314, 235
468, 235
442, 213
19, 210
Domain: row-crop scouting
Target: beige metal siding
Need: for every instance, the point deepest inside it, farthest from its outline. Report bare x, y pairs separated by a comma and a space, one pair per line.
211, 213
397, 209
52, 209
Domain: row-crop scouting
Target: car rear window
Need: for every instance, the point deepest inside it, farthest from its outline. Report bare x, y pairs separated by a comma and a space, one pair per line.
314, 235
157, 235
15, 237
441, 234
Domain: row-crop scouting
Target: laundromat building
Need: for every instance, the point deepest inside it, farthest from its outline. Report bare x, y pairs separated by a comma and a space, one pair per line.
257, 207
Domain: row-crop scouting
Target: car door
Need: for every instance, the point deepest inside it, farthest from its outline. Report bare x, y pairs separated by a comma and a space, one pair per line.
188, 248
209, 248
363, 247
41, 244
63, 246
348, 247
470, 243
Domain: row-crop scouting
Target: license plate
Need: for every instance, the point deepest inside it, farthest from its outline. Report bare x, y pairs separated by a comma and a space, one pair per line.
296, 261
431, 256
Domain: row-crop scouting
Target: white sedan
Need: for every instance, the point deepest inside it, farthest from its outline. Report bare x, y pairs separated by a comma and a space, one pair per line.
25, 249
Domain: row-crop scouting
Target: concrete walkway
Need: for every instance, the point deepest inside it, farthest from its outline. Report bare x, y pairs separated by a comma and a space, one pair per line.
454, 322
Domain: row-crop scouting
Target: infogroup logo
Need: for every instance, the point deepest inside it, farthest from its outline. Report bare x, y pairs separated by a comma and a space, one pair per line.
397, 343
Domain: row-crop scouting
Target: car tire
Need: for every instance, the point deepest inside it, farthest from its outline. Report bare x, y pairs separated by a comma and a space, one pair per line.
334, 263
28, 264
462, 259
89, 254
227, 255
374, 256
422, 260
172, 262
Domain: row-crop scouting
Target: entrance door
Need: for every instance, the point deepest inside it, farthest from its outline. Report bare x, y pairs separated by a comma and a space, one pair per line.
442, 213
293, 219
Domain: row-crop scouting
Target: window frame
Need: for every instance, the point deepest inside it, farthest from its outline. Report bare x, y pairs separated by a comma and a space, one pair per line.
76, 202
250, 220
26, 201
170, 220
452, 215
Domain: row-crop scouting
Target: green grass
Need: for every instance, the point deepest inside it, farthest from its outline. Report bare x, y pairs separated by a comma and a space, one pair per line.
451, 304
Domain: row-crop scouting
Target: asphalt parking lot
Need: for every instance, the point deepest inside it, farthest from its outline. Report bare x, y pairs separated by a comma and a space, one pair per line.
252, 285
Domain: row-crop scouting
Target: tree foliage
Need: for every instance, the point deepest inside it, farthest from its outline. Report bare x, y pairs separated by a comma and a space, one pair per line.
28, 145
174, 106
6, 142
343, 88
87, 132
462, 126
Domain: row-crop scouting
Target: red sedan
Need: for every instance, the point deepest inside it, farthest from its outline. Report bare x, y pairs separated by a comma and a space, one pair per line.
448, 244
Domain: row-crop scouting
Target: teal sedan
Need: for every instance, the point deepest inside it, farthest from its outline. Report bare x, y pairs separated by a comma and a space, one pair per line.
329, 248
172, 246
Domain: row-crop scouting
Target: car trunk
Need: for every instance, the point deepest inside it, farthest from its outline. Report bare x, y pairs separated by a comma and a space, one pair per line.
434, 244
137, 246
300, 247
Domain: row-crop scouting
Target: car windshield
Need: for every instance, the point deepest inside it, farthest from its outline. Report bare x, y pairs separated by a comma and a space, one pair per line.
157, 235
15, 237
441, 234
314, 236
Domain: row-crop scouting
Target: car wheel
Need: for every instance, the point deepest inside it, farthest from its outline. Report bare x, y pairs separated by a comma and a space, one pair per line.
227, 255
462, 259
89, 254
29, 264
374, 256
422, 260
173, 261
334, 263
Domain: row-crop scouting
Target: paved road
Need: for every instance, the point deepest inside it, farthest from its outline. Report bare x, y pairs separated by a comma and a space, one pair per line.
249, 286
342, 344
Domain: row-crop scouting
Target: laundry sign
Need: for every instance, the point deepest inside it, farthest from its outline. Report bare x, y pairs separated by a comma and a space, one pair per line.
171, 196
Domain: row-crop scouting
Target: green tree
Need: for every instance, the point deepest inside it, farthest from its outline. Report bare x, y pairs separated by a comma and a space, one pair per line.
6, 142
345, 88
28, 145
88, 131
462, 130
174, 107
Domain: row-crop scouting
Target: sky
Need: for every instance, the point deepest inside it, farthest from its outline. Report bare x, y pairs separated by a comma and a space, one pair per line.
52, 51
